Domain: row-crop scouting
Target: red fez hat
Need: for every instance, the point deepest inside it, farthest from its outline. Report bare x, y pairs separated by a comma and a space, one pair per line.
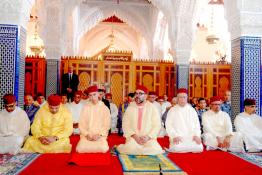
215, 98
54, 100
152, 93
9, 98
249, 102
78, 93
142, 88
182, 90
108, 95
92, 89
86, 91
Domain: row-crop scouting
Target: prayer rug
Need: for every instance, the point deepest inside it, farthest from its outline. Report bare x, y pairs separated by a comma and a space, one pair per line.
14, 164
255, 158
148, 165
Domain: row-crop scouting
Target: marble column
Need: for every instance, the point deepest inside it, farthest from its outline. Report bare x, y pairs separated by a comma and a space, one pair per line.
53, 23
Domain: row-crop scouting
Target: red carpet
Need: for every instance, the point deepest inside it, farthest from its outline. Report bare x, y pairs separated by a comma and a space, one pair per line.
214, 163
56, 164
90, 159
206, 163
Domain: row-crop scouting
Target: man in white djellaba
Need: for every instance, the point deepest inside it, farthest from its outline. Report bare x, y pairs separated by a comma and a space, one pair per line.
141, 125
249, 125
218, 132
182, 126
14, 126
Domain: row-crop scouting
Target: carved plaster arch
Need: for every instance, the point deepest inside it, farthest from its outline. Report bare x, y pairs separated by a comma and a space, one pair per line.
119, 31
100, 36
131, 18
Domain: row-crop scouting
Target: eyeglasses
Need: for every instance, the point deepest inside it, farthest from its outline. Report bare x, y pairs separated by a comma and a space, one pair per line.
139, 93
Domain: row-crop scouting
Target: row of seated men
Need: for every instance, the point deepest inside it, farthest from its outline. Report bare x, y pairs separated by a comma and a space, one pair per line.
53, 125
81, 98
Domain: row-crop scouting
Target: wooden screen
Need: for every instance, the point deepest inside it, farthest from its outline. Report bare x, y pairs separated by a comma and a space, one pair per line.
119, 75
207, 80
35, 75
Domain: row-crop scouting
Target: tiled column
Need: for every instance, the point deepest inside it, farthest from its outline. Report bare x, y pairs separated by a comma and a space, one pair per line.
52, 76
12, 61
246, 73
182, 75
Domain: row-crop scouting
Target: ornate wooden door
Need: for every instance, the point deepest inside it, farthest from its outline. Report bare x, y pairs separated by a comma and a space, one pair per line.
35, 75
207, 80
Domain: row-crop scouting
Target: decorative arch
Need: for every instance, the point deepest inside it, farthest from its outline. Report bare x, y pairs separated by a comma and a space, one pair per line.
124, 40
98, 14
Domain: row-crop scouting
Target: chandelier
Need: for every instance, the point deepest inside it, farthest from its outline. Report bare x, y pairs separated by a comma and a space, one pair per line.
36, 43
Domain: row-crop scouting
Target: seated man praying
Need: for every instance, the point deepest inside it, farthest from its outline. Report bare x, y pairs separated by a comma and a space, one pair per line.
141, 125
94, 125
14, 126
249, 124
182, 126
218, 132
51, 129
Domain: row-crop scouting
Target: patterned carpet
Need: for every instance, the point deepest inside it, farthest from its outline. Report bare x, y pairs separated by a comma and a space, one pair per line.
13, 164
255, 158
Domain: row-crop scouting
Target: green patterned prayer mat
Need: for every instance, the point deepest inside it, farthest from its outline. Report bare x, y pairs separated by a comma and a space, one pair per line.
148, 165
254, 158
14, 164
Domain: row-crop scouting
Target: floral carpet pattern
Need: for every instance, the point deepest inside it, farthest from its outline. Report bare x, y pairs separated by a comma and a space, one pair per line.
13, 164
255, 158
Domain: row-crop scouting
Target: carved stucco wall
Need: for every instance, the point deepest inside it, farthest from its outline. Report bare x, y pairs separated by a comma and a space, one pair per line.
125, 38
244, 17
137, 16
142, 18
15, 12
57, 35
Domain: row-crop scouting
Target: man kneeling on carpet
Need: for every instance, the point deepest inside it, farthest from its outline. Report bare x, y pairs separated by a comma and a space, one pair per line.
182, 126
250, 125
51, 129
14, 126
217, 126
94, 125
141, 125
